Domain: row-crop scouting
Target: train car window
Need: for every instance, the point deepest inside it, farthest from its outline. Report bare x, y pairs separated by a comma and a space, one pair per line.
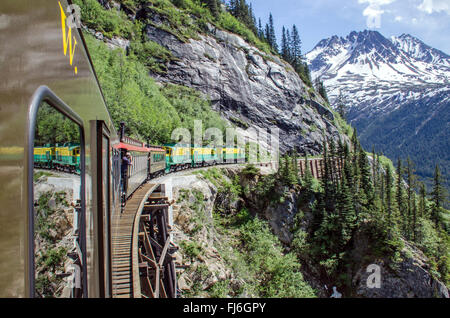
57, 193
56, 203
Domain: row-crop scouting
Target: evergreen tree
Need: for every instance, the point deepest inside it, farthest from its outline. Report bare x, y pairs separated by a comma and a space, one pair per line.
355, 140
348, 171
327, 179
414, 216
355, 172
267, 34
389, 185
296, 49
340, 157
411, 183
374, 169
244, 13
332, 165
288, 175
346, 211
366, 182
260, 30
319, 213
233, 8
400, 197
295, 170
307, 177
284, 45
272, 39
214, 7
379, 187
438, 197
320, 87
289, 47
423, 212
252, 19
341, 105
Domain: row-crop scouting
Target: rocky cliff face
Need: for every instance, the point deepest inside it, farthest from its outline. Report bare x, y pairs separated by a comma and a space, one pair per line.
248, 87
204, 255
408, 278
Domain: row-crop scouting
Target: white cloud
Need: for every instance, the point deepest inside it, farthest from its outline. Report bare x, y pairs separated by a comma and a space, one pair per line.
430, 6
374, 12
398, 18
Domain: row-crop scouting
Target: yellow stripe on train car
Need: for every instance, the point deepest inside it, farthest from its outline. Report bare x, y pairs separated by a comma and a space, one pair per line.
197, 150
11, 150
42, 150
181, 151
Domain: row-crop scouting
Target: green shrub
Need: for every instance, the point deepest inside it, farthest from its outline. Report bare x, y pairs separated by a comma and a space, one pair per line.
191, 249
152, 55
110, 22
220, 289
278, 274
250, 171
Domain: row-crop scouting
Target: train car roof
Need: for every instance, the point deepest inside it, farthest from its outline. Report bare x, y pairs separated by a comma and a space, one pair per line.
136, 148
197, 146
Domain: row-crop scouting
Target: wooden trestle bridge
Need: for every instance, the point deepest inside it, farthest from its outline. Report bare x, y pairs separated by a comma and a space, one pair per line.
142, 262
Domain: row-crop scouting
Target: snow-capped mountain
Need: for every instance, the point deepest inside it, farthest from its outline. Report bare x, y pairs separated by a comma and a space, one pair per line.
397, 92
420, 51
368, 60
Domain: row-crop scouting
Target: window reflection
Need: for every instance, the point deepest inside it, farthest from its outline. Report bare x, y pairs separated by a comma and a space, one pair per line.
57, 185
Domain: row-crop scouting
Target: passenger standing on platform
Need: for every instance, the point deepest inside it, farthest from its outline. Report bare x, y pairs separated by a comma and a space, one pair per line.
127, 161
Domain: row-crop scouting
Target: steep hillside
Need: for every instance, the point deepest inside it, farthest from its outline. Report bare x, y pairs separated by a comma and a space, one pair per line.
224, 220
247, 85
397, 93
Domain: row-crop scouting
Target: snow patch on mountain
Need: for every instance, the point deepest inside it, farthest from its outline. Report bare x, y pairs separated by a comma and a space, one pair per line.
367, 61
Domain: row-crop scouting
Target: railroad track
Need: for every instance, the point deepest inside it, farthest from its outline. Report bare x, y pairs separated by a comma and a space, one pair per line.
142, 262
122, 242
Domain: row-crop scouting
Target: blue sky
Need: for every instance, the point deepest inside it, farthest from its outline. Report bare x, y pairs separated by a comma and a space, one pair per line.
429, 20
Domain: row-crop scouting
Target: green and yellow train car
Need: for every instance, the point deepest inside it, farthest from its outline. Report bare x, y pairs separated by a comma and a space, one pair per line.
44, 157
178, 157
204, 156
233, 155
157, 161
67, 158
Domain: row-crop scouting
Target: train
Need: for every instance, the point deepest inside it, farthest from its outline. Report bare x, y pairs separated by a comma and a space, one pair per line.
162, 159
64, 157
53, 115
151, 161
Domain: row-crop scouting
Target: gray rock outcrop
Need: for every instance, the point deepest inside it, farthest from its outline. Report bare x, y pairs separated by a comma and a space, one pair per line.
281, 217
410, 278
247, 86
